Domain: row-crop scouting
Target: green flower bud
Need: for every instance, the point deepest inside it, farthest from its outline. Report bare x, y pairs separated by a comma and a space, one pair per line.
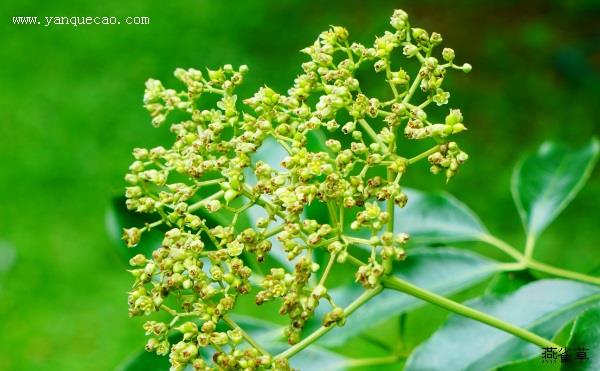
208, 327
219, 338
334, 145
448, 54
454, 117
163, 348
216, 273
236, 336
435, 38
348, 127
399, 19
458, 128
380, 65
462, 157
420, 35
188, 327
230, 195
216, 75
342, 256
132, 236
336, 316
151, 344
138, 260
213, 206
235, 248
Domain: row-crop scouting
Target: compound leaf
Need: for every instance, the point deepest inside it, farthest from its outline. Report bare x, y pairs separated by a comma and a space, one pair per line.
437, 218
542, 307
585, 334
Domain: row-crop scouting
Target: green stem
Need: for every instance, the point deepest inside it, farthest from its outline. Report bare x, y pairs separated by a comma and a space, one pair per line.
511, 267
523, 262
376, 361
529, 245
245, 335
210, 89
441, 301
423, 155
348, 51
506, 248
545, 268
210, 182
326, 242
396, 283
387, 263
167, 309
197, 205
247, 191
412, 89
153, 225
388, 75
356, 240
331, 207
327, 270
365, 125
425, 103
290, 352
274, 231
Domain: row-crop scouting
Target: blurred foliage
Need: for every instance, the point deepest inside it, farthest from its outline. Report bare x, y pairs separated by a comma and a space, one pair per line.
72, 112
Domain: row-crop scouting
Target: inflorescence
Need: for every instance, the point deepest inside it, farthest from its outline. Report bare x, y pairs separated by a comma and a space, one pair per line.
210, 171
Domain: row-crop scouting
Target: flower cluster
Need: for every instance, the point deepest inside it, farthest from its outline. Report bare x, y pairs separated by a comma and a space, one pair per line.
203, 186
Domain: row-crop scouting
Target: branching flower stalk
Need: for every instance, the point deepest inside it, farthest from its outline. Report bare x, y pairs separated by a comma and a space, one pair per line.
211, 173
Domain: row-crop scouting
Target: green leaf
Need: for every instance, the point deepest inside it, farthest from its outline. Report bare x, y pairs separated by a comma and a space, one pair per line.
118, 217
144, 361
586, 334
545, 183
325, 359
444, 271
507, 282
8, 257
437, 218
542, 307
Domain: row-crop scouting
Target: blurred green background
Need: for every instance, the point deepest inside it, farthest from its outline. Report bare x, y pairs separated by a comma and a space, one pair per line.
71, 98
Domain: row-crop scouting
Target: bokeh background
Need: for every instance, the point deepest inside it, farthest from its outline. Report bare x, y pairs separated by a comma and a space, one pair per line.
71, 113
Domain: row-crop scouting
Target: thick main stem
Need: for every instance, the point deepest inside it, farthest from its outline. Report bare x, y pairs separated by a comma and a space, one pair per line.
290, 352
441, 301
